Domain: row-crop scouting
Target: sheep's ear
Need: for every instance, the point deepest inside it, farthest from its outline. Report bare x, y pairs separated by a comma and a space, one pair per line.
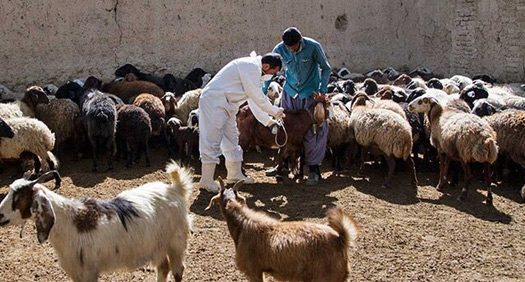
43, 213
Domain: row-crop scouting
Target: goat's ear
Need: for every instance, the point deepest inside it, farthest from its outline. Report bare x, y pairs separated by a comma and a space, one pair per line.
43, 213
238, 184
240, 199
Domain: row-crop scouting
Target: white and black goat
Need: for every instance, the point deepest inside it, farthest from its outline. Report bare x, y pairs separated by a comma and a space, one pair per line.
145, 224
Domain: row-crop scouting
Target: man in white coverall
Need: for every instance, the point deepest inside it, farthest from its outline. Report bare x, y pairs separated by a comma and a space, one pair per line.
237, 82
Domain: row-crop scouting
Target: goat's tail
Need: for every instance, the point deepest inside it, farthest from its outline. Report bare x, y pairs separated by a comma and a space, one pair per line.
343, 224
181, 179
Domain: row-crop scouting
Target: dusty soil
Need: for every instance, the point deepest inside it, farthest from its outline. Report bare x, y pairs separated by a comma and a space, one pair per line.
407, 233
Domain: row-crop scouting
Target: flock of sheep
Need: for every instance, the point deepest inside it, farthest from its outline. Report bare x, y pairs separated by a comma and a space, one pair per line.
387, 114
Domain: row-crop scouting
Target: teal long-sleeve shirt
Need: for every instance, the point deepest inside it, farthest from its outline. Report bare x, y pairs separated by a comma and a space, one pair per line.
302, 68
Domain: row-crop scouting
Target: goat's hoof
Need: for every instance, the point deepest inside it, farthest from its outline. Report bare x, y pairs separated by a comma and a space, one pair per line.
279, 179
148, 164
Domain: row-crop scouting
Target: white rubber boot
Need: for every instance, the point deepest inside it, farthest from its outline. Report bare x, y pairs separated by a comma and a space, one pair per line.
235, 173
207, 182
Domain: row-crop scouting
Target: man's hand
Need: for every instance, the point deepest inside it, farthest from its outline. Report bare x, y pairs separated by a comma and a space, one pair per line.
271, 123
280, 114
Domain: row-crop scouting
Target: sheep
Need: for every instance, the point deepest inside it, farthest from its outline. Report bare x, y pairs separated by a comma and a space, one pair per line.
29, 135
70, 90
184, 137
435, 83
484, 108
170, 104
149, 223
458, 136
462, 81
291, 251
99, 117
193, 119
188, 102
167, 82
26, 106
509, 126
422, 72
410, 82
62, 116
50, 89
381, 132
133, 132
338, 134
128, 90
195, 77
155, 109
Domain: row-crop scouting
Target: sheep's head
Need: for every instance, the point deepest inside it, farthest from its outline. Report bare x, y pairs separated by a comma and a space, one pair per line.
483, 108
349, 87
35, 95
370, 86
130, 77
435, 83
27, 198
359, 99
451, 88
472, 93
423, 104
170, 82
403, 79
227, 195
6, 130
169, 101
125, 69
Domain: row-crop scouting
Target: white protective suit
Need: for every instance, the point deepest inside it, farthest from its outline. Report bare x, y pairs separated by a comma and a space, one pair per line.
237, 82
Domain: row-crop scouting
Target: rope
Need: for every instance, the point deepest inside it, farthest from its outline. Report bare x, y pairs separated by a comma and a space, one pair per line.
280, 123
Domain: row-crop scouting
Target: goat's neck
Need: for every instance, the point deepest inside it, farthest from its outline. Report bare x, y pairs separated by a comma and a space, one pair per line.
64, 209
435, 112
242, 219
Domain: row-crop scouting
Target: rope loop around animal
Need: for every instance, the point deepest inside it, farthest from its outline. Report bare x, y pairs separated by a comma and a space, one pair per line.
280, 123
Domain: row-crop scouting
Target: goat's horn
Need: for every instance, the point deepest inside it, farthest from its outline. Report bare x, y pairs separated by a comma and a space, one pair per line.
44, 178
238, 184
212, 201
221, 182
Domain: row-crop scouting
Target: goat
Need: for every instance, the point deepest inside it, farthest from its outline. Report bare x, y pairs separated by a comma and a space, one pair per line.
292, 251
149, 223
296, 124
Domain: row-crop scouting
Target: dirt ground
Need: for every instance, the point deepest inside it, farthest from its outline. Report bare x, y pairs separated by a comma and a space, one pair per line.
407, 233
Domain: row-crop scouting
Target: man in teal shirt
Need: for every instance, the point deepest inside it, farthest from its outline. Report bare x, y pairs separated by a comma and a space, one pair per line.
304, 59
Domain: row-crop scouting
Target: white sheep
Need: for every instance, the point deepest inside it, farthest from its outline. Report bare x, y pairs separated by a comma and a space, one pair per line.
30, 135
458, 136
25, 106
381, 132
149, 223
188, 102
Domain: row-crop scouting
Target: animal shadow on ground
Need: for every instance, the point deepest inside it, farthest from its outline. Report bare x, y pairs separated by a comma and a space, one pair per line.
401, 192
473, 205
81, 173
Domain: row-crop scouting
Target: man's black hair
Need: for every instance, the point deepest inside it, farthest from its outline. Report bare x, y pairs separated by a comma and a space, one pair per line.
291, 36
273, 59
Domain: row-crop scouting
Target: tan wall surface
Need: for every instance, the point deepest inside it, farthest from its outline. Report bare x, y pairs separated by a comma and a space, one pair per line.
45, 41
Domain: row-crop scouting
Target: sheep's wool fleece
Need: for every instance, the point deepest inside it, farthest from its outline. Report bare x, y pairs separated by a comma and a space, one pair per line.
464, 135
386, 129
30, 135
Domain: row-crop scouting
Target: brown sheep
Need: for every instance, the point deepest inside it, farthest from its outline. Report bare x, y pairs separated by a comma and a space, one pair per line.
133, 132
128, 89
291, 251
155, 109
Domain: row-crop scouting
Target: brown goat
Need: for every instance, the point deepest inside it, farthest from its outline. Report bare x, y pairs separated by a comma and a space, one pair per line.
290, 251
296, 125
